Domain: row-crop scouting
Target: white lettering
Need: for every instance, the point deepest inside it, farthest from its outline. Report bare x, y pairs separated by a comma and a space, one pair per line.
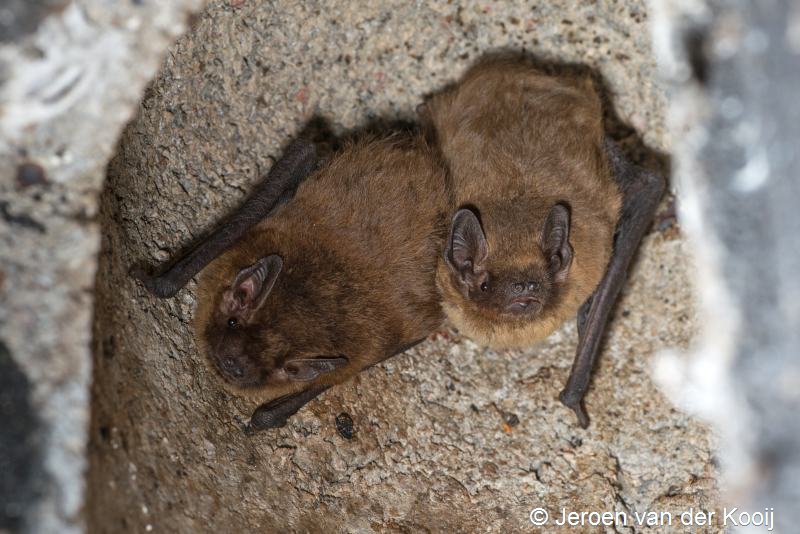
728, 516
563, 520
647, 518
731, 517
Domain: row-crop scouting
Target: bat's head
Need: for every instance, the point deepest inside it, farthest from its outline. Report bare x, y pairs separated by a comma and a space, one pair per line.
256, 333
499, 285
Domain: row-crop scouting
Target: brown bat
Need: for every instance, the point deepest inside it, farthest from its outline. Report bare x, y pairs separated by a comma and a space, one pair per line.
551, 212
299, 296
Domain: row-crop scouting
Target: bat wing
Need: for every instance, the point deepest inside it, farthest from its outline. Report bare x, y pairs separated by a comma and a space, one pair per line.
298, 161
641, 192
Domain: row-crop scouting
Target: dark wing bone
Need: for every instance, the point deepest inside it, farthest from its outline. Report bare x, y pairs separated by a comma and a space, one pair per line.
275, 413
298, 161
641, 191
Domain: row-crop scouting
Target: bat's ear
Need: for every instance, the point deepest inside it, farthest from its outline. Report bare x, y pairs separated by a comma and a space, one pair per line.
467, 249
251, 286
305, 369
555, 242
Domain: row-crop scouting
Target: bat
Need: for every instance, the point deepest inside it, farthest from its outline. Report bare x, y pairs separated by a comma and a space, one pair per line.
550, 212
297, 296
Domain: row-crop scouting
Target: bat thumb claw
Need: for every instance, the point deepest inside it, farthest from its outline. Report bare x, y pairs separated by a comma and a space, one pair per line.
154, 284
576, 405
580, 413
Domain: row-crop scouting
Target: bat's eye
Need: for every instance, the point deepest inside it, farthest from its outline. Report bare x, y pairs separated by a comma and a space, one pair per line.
232, 322
485, 286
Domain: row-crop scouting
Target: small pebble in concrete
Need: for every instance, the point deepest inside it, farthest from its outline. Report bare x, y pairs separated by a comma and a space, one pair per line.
30, 174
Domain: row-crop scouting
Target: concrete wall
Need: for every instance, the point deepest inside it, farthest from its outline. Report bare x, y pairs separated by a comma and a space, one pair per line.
430, 452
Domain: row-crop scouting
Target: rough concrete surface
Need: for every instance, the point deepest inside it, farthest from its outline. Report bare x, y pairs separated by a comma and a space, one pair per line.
71, 74
429, 452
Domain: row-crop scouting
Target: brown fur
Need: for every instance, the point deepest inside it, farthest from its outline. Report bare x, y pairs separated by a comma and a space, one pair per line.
517, 142
359, 244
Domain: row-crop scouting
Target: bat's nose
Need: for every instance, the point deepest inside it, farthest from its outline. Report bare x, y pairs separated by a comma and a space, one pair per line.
239, 369
233, 362
232, 367
524, 287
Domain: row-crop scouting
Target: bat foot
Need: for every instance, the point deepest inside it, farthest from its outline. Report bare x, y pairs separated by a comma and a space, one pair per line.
576, 405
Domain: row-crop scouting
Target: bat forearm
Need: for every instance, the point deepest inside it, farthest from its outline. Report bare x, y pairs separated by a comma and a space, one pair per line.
297, 162
642, 190
275, 413
594, 322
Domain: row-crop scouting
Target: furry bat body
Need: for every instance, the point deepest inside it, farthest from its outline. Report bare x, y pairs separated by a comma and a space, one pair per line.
298, 297
550, 214
338, 279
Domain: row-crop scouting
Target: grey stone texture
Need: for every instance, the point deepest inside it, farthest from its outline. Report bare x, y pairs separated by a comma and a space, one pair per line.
733, 73
71, 74
429, 452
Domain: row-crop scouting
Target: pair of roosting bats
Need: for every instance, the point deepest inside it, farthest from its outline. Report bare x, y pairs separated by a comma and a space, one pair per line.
508, 213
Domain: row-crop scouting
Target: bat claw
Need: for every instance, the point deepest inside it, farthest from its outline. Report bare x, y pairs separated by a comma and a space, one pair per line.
576, 405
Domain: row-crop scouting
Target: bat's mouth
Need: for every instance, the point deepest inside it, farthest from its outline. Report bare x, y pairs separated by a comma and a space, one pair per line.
524, 305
